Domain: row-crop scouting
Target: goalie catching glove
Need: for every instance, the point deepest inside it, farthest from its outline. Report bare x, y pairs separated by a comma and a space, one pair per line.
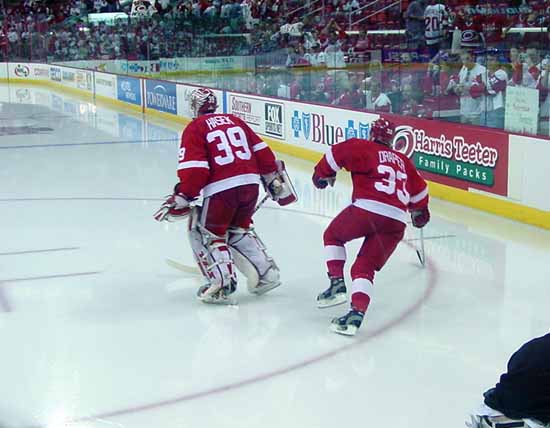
175, 207
278, 185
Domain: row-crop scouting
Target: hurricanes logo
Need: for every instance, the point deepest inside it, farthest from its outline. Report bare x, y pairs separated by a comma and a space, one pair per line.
469, 35
403, 141
22, 71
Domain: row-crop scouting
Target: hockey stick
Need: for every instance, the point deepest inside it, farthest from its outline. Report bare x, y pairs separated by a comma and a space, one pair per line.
192, 270
265, 198
420, 252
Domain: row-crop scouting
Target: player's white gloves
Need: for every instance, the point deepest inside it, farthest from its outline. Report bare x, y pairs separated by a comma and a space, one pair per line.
175, 207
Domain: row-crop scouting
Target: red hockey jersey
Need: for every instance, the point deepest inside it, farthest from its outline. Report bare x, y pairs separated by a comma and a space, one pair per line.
219, 152
385, 181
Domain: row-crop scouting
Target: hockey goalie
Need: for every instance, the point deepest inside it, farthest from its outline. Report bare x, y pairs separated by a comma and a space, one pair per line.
224, 161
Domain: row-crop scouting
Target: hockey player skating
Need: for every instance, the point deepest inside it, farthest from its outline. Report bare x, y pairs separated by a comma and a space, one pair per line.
522, 397
224, 161
385, 185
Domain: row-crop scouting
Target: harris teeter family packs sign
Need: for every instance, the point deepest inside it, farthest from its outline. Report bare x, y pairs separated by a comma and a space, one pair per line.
459, 156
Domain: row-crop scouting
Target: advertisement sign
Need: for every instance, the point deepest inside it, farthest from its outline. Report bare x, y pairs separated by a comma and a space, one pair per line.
317, 127
84, 80
43, 72
161, 96
129, 90
105, 85
217, 63
68, 75
264, 116
22, 71
395, 56
459, 156
110, 18
136, 67
248, 109
55, 74
521, 110
274, 120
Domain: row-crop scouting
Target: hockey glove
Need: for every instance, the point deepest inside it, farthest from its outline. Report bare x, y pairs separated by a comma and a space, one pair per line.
175, 207
420, 217
278, 185
323, 182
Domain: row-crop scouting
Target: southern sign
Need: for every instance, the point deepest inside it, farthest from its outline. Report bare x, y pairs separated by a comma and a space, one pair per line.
266, 117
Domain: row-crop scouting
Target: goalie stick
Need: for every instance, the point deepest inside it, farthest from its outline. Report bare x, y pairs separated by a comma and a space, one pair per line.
191, 270
265, 198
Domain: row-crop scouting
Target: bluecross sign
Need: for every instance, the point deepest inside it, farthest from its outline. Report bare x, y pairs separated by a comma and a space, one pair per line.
318, 128
129, 90
161, 96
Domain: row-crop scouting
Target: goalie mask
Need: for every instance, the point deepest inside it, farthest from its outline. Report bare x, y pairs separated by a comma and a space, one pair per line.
382, 131
203, 101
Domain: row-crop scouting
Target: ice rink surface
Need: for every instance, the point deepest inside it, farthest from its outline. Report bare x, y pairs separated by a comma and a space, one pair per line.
98, 331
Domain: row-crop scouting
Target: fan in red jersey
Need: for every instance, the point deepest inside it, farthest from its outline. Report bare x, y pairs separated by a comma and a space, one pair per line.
224, 161
385, 186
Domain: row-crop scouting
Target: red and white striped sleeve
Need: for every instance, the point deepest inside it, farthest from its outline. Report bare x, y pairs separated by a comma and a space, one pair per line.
352, 155
193, 166
417, 188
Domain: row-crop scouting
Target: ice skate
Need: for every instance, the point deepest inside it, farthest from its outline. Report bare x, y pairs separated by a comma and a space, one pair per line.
336, 294
348, 324
220, 297
263, 288
268, 282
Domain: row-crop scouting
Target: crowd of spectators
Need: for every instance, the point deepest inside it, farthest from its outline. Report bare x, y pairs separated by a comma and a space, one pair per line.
464, 48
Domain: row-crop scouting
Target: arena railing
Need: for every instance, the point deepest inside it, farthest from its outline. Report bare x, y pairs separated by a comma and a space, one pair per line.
367, 8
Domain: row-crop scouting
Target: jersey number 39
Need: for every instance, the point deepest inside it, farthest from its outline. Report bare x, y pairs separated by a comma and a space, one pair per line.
230, 143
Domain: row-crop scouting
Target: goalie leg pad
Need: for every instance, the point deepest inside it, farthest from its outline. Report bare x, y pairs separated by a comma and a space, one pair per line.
252, 259
213, 257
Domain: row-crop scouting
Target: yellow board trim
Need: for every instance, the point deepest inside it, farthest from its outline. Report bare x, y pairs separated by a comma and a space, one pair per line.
485, 203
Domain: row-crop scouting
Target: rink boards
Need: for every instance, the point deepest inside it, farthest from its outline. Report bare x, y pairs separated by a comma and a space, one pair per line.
491, 170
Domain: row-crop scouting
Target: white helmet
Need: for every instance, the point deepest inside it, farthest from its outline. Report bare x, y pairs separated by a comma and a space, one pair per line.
203, 101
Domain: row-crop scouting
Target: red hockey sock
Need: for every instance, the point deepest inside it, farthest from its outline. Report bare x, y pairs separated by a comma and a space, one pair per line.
335, 268
360, 301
